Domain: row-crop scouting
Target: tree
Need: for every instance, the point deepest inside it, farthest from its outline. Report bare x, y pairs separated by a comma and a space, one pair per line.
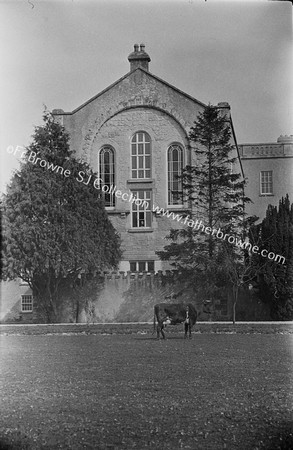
215, 197
55, 223
238, 267
275, 234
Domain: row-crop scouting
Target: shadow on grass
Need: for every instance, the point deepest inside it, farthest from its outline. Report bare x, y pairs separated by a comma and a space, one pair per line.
277, 437
14, 442
168, 338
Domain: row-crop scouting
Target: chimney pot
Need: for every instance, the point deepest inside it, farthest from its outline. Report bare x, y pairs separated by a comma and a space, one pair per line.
139, 58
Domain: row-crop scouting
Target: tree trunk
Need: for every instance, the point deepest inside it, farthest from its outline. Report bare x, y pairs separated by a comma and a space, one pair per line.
234, 312
235, 298
77, 312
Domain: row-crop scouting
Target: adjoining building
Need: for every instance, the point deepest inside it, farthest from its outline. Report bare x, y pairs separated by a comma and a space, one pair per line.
269, 171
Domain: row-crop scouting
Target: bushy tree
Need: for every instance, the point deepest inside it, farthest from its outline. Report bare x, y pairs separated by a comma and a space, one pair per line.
275, 234
55, 226
215, 198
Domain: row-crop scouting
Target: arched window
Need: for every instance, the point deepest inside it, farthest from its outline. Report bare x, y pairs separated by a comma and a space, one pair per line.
175, 165
107, 172
141, 155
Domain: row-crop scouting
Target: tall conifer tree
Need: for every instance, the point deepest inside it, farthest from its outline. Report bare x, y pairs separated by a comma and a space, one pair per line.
56, 228
275, 234
214, 195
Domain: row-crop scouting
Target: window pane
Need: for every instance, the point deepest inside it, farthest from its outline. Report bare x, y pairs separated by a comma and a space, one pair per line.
148, 219
106, 172
132, 266
266, 182
134, 219
141, 219
141, 266
106, 157
151, 266
26, 303
140, 147
134, 174
175, 165
141, 214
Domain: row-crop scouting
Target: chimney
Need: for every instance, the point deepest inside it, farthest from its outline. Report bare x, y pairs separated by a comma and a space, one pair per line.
225, 109
139, 58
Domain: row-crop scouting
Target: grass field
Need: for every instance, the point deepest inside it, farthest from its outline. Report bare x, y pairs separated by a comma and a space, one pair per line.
216, 391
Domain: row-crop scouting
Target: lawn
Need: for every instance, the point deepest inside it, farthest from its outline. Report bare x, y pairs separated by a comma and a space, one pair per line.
216, 391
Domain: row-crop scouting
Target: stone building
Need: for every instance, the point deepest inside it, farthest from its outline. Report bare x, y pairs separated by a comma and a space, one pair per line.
134, 134
269, 171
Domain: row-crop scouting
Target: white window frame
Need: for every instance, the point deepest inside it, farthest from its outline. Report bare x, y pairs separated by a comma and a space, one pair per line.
146, 262
266, 182
141, 211
141, 156
27, 305
171, 180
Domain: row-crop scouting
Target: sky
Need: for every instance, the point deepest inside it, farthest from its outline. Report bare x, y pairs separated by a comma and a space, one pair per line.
59, 54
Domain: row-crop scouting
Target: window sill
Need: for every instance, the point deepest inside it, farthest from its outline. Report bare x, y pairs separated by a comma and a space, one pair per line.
26, 312
266, 195
140, 180
140, 230
176, 207
117, 211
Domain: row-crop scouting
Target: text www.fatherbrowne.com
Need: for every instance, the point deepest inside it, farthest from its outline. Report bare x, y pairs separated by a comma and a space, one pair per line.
129, 197
218, 233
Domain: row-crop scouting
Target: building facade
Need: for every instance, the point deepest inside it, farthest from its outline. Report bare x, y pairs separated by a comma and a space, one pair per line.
135, 135
269, 171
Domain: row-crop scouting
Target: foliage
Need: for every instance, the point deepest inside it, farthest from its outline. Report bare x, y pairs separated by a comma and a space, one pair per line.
215, 196
275, 234
55, 227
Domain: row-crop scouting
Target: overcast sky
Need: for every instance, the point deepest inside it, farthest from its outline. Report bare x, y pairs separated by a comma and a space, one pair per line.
62, 53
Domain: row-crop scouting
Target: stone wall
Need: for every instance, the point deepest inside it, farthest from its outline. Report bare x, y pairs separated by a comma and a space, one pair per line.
130, 297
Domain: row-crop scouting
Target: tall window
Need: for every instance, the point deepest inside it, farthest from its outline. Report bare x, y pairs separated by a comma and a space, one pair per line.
141, 155
266, 182
26, 303
175, 165
107, 172
141, 213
